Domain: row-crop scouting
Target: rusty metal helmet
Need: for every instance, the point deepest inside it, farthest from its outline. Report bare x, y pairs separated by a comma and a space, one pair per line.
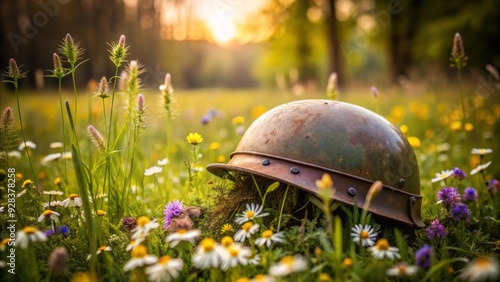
297, 142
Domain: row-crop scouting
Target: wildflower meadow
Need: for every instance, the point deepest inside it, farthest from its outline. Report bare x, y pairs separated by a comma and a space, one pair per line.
110, 183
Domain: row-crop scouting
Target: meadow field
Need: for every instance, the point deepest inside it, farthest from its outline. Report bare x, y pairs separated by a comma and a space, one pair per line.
110, 184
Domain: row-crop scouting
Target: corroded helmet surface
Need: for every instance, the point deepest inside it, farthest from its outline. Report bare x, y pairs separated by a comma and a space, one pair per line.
296, 143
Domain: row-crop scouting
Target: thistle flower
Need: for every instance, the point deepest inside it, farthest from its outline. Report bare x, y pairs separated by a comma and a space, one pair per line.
493, 187
103, 88
14, 71
7, 130
470, 194
70, 50
374, 91
133, 82
423, 256
97, 138
118, 51
129, 223
458, 56
449, 196
435, 230
458, 173
58, 261
58, 71
460, 212
171, 210
140, 120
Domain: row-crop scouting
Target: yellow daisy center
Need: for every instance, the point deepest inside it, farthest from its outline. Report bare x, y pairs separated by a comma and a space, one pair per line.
29, 230
267, 234
102, 248
57, 181
47, 213
483, 262
402, 269
5, 242
72, 196
347, 262
164, 259
382, 245
139, 252
208, 244
288, 260
233, 251
101, 213
227, 241
247, 226
182, 231
364, 234
143, 220
243, 279
250, 214
260, 277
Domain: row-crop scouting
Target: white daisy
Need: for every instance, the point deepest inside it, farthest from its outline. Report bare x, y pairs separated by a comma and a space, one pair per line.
144, 225
442, 175
481, 151
364, 234
67, 155
480, 168
50, 158
4, 243
254, 260
235, 254
402, 269
153, 170
29, 234
287, 265
100, 250
56, 145
15, 154
268, 237
166, 269
53, 192
207, 254
252, 211
163, 162
481, 269
134, 243
139, 258
1, 209
52, 204
28, 144
73, 201
382, 249
182, 235
247, 230
50, 214
22, 193
2, 264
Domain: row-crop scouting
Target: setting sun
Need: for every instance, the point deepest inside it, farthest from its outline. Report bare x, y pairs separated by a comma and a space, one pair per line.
222, 32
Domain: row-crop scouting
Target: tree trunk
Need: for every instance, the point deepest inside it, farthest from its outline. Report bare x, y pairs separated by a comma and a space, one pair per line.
335, 65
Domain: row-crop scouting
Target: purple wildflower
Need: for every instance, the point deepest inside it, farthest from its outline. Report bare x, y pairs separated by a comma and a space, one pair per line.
449, 196
435, 230
171, 210
129, 223
493, 187
470, 194
423, 256
374, 91
458, 173
62, 229
460, 212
